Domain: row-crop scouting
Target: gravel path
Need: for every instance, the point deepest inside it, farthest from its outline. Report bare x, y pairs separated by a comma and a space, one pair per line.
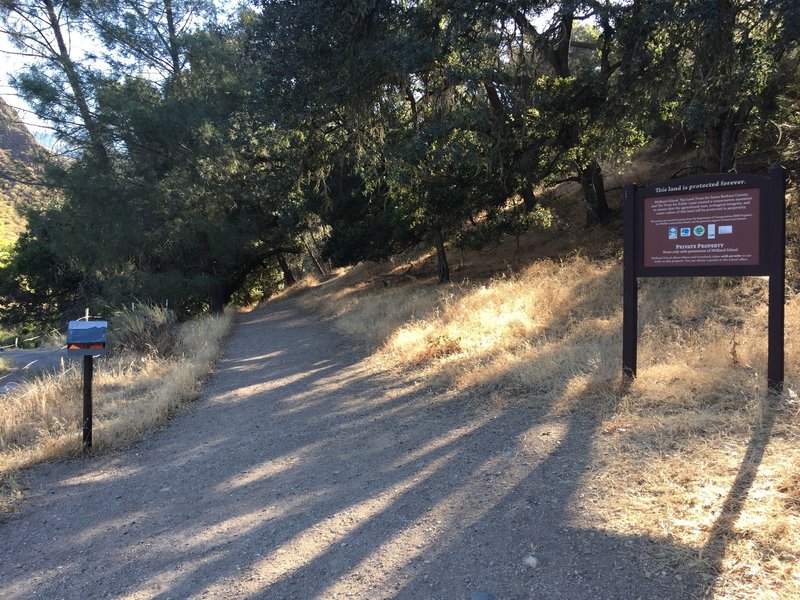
305, 473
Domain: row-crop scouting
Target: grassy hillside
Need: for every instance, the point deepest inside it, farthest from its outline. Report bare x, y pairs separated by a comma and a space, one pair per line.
13, 197
17, 166
694, 452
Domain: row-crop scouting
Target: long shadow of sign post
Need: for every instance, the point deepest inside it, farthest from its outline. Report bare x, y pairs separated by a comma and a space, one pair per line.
713, 225
714, 549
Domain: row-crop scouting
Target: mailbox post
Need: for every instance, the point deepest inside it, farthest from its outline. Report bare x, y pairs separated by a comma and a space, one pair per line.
87, 339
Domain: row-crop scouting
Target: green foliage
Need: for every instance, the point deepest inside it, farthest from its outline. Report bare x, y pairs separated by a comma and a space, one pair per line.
36, 285
5, 254
497, 225
200, 153
398, 90
259, 285
195, 199
713, 69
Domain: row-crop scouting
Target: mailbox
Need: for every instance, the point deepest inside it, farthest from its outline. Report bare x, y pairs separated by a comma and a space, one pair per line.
86, 338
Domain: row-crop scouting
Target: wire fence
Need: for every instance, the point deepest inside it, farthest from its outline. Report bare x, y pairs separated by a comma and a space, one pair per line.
15, 345
11, 386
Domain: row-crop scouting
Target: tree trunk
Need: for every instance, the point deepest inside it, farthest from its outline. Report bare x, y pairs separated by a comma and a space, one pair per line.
318, 249
413, 102
442, 268
313, 258
594, 193
76, 86
494, 99
288, 276
173, 40
528, 197
727, 133
217, 297
558, 49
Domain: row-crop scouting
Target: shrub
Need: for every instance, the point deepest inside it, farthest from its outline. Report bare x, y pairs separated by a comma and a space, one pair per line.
143, 329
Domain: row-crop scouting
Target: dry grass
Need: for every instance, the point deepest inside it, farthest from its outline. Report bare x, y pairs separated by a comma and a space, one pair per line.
691, 455
133, 393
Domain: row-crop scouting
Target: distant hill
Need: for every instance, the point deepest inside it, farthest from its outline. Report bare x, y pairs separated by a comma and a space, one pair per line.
15, 140
18, 150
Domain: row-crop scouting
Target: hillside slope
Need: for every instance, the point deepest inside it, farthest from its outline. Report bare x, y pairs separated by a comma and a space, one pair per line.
694, 453
18, 156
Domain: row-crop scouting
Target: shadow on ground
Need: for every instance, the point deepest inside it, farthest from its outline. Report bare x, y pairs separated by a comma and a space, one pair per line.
304, 474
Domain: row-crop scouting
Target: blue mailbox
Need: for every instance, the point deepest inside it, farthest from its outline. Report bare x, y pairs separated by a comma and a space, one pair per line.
86, 338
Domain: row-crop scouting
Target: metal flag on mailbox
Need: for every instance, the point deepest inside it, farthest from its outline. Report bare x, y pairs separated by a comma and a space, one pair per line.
87, 338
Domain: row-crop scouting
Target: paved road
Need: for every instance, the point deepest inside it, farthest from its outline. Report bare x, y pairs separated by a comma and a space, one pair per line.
27, 363
306, 473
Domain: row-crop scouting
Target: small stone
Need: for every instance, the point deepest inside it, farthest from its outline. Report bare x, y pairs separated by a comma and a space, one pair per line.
531, 561
481, 596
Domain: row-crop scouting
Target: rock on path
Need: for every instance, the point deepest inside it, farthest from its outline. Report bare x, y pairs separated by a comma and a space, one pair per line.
304, 472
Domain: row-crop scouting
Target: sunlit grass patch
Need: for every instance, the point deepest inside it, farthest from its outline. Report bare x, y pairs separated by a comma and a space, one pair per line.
672, 446
675, 478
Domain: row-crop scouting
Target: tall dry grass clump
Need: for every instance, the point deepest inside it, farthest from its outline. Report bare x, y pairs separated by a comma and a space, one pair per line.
555, 329
156, 368
363, 304
694, 454
546, 329
146, 329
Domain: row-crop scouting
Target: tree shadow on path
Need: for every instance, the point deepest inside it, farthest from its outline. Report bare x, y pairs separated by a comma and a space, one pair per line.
304, 473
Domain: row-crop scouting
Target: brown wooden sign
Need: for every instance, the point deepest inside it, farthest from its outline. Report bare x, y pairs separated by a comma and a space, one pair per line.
713, 225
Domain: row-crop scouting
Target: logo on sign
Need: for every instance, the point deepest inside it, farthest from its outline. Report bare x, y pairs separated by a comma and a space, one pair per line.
686, 231
699, 230
672, 233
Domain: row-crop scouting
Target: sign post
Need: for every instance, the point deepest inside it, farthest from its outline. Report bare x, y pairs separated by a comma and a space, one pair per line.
87, 339
707, 226
88, 374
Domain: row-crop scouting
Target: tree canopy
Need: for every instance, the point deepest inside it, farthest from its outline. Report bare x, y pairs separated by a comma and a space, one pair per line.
198, 154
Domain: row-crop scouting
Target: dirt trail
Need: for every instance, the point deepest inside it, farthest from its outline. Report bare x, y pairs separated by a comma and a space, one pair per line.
304, 473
